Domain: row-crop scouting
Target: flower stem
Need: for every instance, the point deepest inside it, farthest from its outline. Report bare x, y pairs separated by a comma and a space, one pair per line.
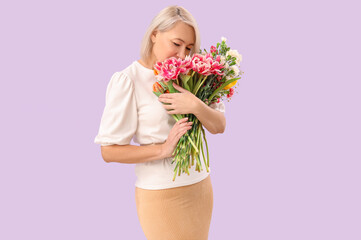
190, 140
204, 137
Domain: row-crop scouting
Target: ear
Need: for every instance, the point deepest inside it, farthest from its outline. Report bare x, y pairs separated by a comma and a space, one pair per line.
154, 35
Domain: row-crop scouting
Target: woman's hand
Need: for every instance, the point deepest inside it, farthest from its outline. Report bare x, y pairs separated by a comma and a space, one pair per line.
179, 128
183, 102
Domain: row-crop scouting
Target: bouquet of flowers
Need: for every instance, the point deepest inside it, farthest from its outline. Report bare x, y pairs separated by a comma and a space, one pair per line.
209, 76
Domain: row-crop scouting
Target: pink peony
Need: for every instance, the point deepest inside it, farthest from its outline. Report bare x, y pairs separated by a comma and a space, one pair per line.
186, 65
213, 49
231, 92
168, 69
172, 67
206, 65
203, 64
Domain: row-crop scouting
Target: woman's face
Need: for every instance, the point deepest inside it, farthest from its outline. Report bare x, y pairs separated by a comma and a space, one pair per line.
176, 42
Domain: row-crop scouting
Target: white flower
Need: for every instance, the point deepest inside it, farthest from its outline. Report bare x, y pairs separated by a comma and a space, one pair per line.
223, 39
235, 69
234, 53
223, 59
240, 59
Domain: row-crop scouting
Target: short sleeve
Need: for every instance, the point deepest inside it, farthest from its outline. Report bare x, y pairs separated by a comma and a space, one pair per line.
218, 106
119, 121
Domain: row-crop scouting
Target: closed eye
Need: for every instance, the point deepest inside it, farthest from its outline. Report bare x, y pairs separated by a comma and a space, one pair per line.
179, 45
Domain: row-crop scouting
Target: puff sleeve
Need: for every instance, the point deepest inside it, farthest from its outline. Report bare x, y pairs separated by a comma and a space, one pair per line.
119, 121
218, 106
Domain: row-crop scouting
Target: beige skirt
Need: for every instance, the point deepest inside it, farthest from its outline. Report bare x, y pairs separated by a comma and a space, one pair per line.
176, 213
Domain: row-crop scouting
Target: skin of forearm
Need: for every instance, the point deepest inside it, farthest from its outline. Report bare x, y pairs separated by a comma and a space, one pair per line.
132, 153
213, 120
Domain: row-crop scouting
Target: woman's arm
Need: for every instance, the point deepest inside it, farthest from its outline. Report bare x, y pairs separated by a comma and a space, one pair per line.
214, 121
186, 102
139, 154
132, 153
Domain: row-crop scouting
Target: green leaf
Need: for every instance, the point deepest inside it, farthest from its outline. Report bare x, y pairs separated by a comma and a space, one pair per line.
165, 87
221, 87
170, 87
157, 93
185, 79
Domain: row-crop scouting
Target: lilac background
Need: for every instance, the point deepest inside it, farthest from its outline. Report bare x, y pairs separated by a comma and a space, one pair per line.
287, 167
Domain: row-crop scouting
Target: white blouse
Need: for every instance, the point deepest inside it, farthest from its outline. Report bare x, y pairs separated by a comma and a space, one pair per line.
132, 111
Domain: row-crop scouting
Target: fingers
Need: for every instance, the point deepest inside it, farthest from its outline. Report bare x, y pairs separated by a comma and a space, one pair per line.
181, 133
182, 120
179, 129
186, 126
184, 129
166, 100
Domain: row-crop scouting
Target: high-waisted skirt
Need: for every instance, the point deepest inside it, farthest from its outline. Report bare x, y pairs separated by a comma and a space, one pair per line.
180, 213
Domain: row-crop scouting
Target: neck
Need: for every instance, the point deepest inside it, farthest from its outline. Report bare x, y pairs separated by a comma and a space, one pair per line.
148, 63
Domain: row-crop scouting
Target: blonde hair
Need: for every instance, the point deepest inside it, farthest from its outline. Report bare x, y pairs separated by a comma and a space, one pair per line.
163, 22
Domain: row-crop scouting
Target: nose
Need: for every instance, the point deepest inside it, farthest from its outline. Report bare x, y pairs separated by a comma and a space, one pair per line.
181, 54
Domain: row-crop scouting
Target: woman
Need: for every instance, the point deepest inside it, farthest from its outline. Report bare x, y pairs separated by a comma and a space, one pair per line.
167, 209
